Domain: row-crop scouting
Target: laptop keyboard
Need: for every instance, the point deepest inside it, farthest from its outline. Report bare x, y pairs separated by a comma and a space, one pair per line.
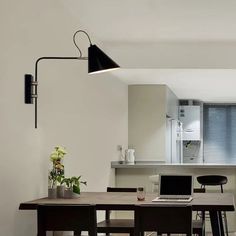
158, 199
171, 198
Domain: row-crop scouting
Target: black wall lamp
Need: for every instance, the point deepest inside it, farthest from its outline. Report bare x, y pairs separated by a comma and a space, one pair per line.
98, 62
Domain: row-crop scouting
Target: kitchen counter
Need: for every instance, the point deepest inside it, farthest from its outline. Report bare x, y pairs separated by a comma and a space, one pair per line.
153, 164
140, 173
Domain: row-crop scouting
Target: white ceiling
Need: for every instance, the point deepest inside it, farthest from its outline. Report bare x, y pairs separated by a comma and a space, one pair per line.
152, 20
209, 85
126, 28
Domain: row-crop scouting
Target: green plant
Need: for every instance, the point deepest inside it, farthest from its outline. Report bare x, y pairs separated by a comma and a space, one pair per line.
74, 183
57, 173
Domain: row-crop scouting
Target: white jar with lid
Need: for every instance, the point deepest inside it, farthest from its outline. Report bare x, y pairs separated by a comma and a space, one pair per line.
129, 156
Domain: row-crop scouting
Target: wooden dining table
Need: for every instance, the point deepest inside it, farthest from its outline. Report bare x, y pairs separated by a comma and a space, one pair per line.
213, 203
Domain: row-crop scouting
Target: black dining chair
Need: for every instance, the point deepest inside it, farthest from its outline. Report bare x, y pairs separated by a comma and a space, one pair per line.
109, 225
75, 218
163, 219
215, 180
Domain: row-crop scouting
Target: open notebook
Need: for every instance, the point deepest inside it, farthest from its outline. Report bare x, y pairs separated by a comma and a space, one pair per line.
175, 188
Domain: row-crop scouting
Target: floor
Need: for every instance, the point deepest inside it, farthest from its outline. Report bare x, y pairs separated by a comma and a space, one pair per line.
153, 234
149, 234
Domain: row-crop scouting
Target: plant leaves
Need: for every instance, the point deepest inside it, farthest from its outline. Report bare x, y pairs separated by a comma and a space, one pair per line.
76, 189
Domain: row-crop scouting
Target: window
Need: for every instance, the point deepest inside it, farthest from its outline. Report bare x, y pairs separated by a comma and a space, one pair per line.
219, 133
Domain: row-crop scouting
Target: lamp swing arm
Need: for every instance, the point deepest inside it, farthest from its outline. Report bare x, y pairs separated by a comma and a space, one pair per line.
64, 58
54, 58
35, 82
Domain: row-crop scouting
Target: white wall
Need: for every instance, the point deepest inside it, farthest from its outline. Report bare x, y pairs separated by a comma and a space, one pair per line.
86, 114
147, 121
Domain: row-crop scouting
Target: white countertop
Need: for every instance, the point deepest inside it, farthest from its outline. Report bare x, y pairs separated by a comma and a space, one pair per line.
153, 164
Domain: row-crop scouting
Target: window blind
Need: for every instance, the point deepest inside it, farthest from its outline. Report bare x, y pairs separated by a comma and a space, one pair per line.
219, 133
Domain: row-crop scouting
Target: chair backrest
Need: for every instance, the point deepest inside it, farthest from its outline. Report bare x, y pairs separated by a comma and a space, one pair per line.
67, 218
163, 219
126, 190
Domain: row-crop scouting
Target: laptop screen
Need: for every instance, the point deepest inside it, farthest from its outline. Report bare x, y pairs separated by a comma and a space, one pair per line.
176, 185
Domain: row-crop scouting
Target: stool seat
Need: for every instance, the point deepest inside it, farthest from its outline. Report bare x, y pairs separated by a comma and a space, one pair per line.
212, 180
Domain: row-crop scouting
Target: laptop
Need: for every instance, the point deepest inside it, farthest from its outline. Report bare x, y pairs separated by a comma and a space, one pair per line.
175, 188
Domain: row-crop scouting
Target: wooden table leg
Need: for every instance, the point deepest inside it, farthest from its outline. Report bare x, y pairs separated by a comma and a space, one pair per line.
216, 223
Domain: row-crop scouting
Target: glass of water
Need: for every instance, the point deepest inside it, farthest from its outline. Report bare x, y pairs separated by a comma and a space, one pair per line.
140, 193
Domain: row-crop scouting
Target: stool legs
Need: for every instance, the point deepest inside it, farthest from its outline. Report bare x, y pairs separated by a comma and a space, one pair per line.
226, 224
224, 214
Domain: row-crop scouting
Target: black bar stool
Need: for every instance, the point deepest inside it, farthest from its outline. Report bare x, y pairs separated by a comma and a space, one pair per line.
214, 180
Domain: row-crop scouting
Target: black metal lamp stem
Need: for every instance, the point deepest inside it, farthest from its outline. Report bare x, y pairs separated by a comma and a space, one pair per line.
36, 80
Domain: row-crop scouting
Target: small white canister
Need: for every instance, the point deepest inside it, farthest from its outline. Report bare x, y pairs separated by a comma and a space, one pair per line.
129, 155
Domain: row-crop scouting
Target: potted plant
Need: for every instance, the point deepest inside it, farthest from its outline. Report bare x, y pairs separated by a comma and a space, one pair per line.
52, 179
56, 158
72, 186
60, 186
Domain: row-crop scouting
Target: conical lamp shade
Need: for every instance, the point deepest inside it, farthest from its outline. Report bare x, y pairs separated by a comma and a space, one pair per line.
98, 61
